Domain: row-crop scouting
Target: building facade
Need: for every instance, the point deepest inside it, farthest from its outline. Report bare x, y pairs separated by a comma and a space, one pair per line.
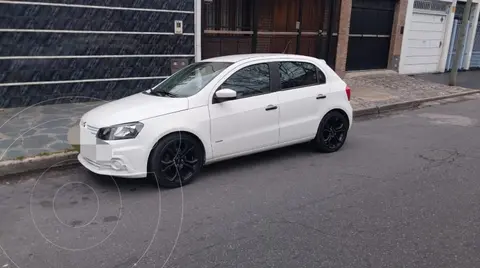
55, 51
349, 34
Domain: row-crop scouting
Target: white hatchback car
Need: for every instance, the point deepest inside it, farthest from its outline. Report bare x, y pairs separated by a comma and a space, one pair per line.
214, 110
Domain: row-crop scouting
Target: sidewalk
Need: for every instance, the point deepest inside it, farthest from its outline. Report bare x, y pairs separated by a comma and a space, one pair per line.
30, 131
469, 79
38, 130
378, 88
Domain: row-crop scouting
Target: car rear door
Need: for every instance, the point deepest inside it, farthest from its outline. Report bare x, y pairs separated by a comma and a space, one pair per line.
249, 122
302, 93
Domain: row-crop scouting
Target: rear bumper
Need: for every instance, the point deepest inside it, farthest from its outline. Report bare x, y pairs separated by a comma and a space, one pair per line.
349, 111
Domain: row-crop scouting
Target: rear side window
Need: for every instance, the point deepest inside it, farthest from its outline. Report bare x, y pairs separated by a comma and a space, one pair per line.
321, 76
299, 74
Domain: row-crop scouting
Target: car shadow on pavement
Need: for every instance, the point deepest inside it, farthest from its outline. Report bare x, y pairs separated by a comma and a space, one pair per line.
243, 163
223, 169
123, 184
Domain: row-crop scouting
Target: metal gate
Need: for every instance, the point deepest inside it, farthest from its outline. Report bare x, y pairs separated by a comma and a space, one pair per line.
370, 30
452, 50
304, 27
227, 27
475, 61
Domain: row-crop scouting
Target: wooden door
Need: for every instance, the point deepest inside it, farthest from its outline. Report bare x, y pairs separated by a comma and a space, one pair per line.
227, 27
277, 31
293, 22
311, 27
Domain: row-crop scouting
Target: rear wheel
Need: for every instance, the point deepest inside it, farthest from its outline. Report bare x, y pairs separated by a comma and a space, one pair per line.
176, 160
331, 133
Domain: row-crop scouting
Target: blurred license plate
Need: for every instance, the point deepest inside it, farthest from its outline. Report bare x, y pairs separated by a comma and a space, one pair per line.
99, 152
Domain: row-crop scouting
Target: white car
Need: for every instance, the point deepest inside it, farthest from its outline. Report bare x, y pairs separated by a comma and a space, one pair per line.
217, 109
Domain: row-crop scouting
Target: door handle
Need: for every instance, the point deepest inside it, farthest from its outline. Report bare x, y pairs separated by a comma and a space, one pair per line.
321, 96
271, 107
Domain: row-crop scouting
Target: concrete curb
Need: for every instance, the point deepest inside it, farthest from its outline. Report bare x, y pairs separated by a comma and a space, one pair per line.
407, 104
11, 167
365, 112
36, 163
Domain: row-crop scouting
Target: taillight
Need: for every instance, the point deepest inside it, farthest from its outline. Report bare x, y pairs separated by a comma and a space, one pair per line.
348, 91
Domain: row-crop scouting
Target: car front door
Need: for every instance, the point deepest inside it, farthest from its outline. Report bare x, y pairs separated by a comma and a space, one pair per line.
302, 89
249, 122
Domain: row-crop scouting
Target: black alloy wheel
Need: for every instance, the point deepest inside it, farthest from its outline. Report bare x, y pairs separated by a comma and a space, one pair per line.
176, 160
332, 132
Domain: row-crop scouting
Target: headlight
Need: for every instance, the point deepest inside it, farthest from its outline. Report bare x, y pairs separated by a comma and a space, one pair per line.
120, 132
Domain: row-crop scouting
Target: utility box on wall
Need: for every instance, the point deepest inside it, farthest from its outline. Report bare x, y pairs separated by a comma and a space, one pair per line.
178, 27
177, 64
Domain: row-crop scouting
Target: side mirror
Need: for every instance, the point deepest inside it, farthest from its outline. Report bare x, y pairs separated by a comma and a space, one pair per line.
225, 94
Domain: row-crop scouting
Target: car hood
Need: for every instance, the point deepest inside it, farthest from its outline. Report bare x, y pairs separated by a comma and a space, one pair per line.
133, 108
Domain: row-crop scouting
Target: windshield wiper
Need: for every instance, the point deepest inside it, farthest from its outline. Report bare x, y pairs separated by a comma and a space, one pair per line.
172, 95
162, 93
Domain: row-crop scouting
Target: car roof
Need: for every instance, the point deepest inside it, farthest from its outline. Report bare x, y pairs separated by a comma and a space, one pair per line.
254, 56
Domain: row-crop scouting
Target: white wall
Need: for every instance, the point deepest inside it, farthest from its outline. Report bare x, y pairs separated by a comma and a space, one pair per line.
197, 8
406, 28
405, 66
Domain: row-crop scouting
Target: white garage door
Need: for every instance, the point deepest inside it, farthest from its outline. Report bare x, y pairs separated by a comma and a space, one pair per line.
425, 42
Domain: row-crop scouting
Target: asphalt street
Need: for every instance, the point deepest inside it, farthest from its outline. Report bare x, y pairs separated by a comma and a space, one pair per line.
403, 192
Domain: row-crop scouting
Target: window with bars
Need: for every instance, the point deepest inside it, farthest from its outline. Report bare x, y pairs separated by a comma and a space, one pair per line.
431, 5
228, 15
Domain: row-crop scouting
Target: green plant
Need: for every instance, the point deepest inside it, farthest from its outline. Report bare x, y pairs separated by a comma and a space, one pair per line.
76, 147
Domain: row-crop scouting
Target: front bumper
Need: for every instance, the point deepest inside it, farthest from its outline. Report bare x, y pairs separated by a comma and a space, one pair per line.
122, 158
110, 168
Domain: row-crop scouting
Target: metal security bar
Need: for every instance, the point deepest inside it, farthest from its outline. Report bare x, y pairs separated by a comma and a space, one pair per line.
475, 61
228, 15
453, 49
431, 5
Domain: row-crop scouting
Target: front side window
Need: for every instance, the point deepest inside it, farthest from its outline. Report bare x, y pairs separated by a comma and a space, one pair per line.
189, 80
297, 74
250, 81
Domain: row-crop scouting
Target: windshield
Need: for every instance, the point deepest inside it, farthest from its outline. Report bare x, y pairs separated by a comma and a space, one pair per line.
189, 80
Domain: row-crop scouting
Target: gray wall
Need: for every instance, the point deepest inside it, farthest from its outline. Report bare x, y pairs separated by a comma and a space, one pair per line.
27, 31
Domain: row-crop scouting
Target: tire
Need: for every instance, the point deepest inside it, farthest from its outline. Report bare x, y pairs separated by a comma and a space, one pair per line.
176, 160
327, 141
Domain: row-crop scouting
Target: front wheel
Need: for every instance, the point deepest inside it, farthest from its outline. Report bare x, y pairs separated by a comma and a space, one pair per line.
331, 133
176, 160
